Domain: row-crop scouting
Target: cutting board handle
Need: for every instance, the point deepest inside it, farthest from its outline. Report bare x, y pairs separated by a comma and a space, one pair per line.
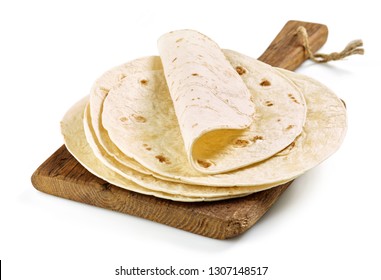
287, 51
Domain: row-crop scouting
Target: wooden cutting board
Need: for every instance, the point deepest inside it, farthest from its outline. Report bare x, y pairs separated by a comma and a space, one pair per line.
61, 175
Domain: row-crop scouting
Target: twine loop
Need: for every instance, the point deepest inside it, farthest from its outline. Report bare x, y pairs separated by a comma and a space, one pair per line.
353, 47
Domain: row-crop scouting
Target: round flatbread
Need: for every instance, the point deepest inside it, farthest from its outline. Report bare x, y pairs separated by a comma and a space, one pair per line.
209, 106
76, 143
325, 124
156, 184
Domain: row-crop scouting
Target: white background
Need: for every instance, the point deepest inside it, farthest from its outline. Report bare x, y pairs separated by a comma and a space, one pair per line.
326, 226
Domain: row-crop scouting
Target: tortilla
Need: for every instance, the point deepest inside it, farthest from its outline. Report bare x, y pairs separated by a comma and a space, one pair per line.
99, 92
202, 124
77, 145
212, 111
323, 132
156, 184
207, 93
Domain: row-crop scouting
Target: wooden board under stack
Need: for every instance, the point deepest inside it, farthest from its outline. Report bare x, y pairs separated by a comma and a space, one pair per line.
61, 175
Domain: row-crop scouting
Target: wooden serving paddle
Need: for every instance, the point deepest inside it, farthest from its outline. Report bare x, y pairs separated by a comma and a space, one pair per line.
61, 175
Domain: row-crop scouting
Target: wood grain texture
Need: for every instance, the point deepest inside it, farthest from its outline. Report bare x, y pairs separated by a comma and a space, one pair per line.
286, 50
61, 175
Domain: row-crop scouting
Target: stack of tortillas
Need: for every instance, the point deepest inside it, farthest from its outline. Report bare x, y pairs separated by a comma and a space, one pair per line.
198, 123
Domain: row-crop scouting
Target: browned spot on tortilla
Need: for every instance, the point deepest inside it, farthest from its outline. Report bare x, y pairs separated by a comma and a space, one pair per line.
256, 138
291, 146
139, 118
293, 99
286, 150
148, 148
241, 143
122, 76
194, 125
278, 120
123, 119
105, 90
144, 82
204, 163
290, 126
240, 70
269, 103
265, 83
174, 59
163, 159
179, 40
194, 74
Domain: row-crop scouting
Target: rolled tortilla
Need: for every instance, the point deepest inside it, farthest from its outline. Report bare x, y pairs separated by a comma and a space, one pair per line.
215, 109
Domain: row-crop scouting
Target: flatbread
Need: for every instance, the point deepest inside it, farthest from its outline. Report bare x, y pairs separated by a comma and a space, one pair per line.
322, 134
202, 124
100, 90
77, 145
156, 184
208, 96
212, 111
